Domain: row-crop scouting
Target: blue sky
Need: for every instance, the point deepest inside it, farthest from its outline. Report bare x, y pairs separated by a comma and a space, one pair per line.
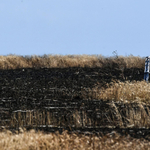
38, 27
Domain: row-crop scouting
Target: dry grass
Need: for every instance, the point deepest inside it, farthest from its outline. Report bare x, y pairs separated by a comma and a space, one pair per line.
55, 141
120, 91
59, 61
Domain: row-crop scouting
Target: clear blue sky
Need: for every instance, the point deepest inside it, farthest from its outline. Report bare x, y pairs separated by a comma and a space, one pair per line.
38, 27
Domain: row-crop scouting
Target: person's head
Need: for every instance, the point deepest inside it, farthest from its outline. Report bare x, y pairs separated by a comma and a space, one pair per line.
147, 57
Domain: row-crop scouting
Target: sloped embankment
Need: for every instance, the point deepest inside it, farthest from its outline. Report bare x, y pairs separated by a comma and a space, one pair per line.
81, 114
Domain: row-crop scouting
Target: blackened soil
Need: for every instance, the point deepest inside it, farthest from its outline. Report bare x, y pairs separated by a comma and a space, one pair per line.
59, 83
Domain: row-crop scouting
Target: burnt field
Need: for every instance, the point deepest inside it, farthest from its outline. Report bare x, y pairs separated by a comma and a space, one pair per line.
58, 99
59, 83
27, 86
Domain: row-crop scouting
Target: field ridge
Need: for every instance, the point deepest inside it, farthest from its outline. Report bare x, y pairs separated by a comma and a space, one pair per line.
63, 61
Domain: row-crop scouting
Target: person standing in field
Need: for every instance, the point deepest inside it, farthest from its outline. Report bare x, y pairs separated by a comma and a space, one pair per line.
146, 71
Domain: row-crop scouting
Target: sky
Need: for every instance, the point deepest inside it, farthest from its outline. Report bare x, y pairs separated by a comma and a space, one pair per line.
75, 27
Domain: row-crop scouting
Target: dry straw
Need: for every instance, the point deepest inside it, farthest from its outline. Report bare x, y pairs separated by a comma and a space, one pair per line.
60, 61
65, 141
120, 91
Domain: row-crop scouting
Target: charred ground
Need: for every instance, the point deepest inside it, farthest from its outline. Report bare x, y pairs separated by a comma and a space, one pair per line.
65, 82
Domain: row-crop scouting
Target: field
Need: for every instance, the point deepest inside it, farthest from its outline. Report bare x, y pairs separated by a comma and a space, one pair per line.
103, 103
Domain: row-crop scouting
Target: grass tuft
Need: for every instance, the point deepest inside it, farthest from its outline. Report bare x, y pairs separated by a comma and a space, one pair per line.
120, 91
